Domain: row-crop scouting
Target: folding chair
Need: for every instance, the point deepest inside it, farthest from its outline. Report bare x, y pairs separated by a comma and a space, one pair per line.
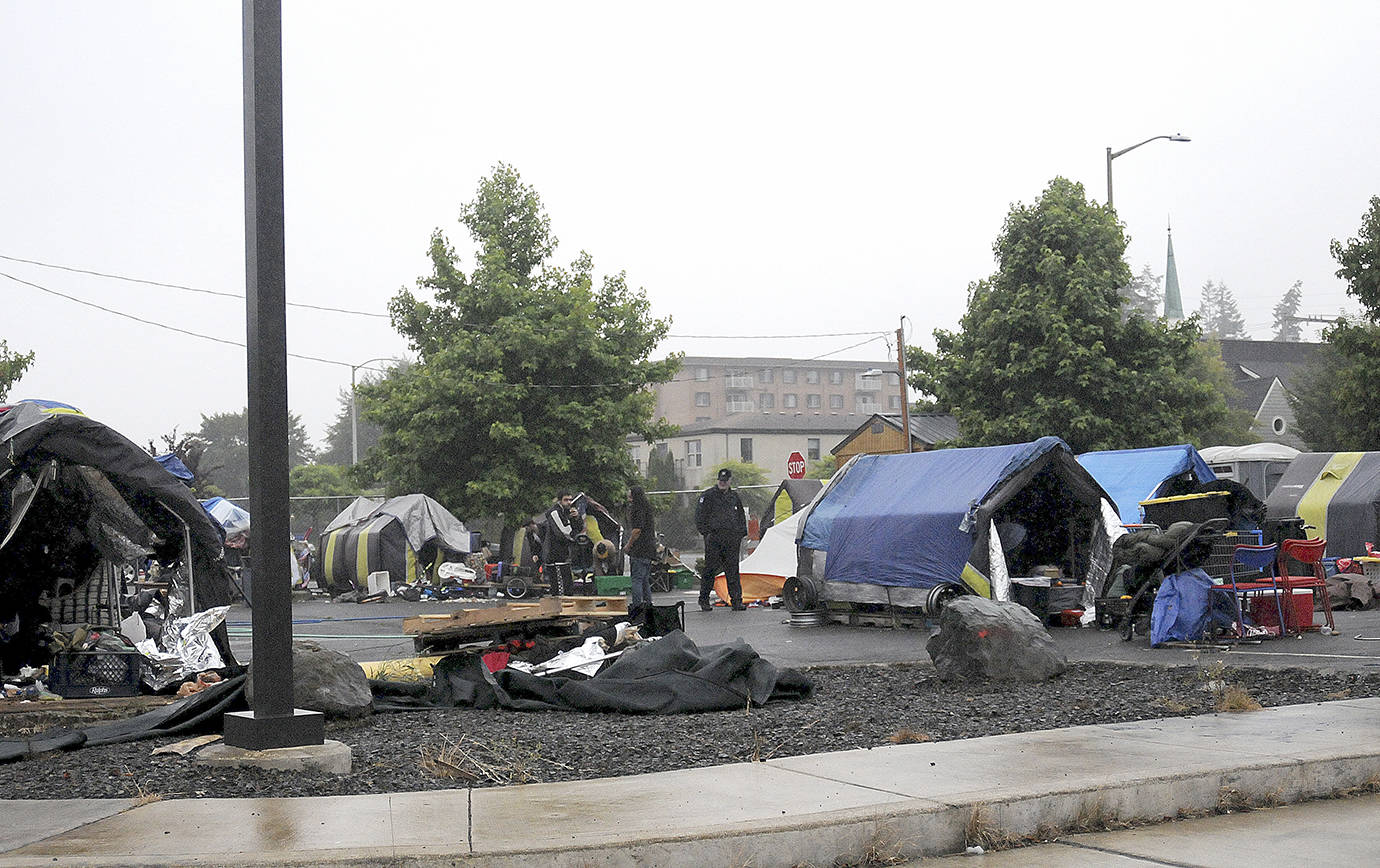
1308, 552
1255, 559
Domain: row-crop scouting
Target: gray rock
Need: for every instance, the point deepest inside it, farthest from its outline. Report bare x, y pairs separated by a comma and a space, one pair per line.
326, 681
984, 639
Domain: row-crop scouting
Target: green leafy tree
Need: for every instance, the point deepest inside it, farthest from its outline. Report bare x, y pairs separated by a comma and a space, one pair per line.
1332, 396
1219, 312
822, 468
1143, 294
12, 367
337, 446
528, 375
329, 488
1043, 348
1287, 326
225, 459
662, 474
1359, 259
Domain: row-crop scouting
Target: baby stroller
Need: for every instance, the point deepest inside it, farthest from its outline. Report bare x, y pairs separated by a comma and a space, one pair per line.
1140, 561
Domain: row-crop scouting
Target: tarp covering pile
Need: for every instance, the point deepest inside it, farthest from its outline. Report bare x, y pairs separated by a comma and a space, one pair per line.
1132, 475
233, 520
74, 492
671, 675
915, 520
403, 536
1337, 494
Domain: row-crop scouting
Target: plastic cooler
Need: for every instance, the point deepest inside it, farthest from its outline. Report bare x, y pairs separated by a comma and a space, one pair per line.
1164, 511
1298, 612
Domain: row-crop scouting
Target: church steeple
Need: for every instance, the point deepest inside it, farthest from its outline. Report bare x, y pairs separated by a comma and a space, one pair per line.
1173, 303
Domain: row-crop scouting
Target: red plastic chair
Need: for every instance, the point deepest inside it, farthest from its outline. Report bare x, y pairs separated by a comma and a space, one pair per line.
1308, 552
1263, 559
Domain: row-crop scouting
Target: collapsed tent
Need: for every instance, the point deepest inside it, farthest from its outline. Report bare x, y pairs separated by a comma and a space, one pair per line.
791, 497
407, 537
1337, 497
1130, 476
895, 526
79, 501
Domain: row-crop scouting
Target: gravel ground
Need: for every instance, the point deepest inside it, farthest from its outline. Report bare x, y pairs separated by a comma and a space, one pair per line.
853, 707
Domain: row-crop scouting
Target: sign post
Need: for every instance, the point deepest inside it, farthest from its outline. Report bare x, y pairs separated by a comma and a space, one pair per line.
795, 466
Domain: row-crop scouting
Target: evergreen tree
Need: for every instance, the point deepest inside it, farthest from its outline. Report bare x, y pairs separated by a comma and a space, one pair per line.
1219, 313
1287, 327
1144, 294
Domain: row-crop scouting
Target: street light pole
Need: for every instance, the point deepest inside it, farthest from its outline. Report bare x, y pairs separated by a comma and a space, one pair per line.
901, 369
354, 414
1112, 155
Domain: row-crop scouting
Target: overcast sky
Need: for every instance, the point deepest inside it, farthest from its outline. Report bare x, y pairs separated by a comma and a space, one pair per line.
759, 168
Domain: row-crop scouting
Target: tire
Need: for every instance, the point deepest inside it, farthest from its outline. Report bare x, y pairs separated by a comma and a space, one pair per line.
800, 594
517, 587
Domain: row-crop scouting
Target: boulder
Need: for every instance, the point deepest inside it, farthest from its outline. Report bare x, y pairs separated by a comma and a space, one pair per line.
983, 639
326, 681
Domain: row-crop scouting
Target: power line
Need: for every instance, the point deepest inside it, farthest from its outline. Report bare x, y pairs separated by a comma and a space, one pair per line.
185, 288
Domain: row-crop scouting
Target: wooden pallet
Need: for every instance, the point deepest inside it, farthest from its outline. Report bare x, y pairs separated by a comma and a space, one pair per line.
503, 614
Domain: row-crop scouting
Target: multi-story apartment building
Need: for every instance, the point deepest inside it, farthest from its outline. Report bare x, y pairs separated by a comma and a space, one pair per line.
763, 409
714, 388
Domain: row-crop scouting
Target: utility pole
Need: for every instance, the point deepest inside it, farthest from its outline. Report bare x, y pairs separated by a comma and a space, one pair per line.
901, 367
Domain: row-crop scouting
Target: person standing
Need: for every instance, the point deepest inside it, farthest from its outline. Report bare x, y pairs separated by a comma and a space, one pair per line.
640, 549
720, 519
558, 544
531, 548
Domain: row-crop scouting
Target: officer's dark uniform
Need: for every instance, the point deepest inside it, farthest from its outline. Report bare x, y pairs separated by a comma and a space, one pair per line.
720, 519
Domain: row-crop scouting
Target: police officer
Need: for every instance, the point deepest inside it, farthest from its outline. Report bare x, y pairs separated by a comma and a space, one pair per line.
720, 519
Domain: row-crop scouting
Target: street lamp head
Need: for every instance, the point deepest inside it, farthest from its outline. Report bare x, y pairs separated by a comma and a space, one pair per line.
1178, 138
871, 372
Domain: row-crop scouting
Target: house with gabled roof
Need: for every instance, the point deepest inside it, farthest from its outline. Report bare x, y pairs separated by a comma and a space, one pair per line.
1263, 373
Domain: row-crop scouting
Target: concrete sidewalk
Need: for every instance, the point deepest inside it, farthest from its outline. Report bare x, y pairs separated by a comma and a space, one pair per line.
915, 800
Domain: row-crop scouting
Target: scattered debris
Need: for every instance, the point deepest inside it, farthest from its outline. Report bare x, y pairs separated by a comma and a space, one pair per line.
186, 746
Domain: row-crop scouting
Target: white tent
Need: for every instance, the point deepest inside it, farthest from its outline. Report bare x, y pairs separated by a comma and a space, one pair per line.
770, 564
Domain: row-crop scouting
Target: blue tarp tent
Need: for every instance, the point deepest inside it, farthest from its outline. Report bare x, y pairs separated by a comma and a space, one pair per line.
174, 465
1132, 475
915, 521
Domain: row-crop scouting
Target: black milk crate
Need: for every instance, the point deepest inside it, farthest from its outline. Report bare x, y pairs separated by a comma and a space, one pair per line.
95, 674
1218, 564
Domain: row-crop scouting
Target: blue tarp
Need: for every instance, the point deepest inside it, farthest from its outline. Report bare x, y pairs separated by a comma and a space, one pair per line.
234, 519
1133, 475
174, 465
902, 520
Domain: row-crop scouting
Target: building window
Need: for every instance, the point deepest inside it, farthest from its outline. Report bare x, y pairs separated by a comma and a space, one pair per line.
635, 453
1278, 425
737, 378
768, 402
788, 401
745, 448
767, 375
877, 429
738, 402
702, 419
836, 378
693, 457
812, 402
788, 375
867, 404
894, 379
812, 377
835, 402
894, 403
701, 399
812, 449
701, 374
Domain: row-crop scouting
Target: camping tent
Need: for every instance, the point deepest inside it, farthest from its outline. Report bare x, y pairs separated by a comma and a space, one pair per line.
1337, 494
406, 537
233, 520
791, 496
892, 524
1132, 475
1258, 466
77, 497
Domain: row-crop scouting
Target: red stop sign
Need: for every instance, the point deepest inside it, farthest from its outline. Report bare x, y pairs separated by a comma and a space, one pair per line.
795, 466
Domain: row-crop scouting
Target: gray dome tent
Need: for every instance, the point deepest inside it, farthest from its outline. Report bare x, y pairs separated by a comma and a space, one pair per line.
407, 537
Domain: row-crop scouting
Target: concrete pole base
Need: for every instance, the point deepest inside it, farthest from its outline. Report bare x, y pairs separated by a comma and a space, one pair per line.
331, 757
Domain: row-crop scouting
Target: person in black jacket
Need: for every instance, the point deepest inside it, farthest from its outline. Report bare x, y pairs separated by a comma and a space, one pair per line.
720, 519
558, 544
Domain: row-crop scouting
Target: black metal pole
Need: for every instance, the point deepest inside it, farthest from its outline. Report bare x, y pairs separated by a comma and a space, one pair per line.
274, 722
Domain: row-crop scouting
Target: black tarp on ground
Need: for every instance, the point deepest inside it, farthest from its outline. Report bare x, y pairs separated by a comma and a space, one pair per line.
199, 711
669, 676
